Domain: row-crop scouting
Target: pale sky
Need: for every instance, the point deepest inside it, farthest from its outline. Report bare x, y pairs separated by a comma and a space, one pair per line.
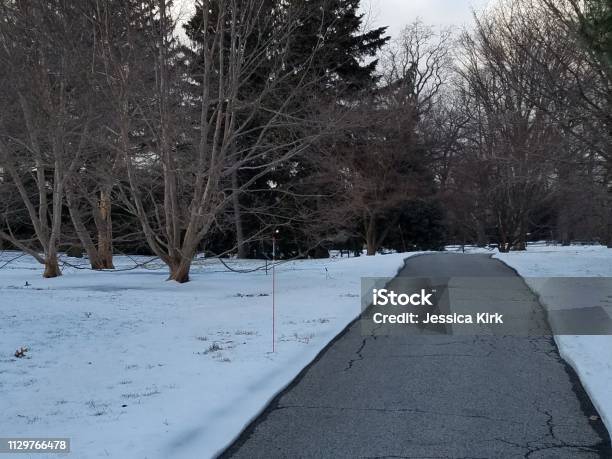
397, 13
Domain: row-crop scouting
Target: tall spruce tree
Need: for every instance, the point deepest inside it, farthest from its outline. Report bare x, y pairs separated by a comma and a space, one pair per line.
347, 53
328, 42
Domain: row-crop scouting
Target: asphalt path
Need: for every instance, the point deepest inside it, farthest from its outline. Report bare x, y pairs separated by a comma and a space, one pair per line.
434, 395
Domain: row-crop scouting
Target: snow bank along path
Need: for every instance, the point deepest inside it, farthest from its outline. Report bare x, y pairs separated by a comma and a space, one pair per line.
129, 365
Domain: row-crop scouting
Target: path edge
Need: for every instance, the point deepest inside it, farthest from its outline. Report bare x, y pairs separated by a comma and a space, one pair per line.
271, 404
570, 367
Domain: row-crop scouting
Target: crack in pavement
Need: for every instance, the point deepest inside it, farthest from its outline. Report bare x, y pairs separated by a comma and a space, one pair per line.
590, 448
560, 443
416, 356
361, 347
359, 356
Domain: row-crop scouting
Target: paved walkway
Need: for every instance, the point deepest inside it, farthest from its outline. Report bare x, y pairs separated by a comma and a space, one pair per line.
432, 396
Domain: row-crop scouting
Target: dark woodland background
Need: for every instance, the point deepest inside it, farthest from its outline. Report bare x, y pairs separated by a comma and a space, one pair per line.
290, 118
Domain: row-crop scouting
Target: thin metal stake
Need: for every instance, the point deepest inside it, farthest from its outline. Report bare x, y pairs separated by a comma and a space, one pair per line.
273, 294
273, 312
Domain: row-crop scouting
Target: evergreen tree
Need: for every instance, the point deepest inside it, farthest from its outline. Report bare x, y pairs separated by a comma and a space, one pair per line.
596, 29
347, 54
327, 42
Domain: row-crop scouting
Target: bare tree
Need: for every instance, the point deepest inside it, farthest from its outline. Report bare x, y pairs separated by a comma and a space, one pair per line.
420, 60
383, 157
378, 165
89, 203
569, 43
511, 137
179, 168
542, 52
45, 127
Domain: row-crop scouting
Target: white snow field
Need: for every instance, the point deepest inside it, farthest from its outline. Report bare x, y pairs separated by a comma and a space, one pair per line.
590, 356
127, 364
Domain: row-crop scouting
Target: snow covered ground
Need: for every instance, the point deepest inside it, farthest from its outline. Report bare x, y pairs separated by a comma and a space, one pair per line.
129, 365
590, 356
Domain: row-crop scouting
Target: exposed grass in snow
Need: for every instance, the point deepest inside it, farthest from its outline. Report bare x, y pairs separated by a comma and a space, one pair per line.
129, 365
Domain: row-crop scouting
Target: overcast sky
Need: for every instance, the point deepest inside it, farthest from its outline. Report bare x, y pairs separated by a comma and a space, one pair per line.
397, 13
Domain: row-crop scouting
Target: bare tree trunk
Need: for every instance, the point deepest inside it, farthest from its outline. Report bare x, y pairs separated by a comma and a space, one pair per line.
105, 230
481, 237
242, 252
520, 242
81, 230
563, 225
52, 268
179, 269
520, 245
504, 243
371, 245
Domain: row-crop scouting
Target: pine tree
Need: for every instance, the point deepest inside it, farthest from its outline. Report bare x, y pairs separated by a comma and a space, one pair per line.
346, 57
596, 29
327, 42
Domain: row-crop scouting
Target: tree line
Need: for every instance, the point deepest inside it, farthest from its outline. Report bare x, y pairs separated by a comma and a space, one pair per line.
126, 128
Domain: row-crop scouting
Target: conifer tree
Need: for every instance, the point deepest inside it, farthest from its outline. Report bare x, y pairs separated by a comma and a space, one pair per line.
327, 43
